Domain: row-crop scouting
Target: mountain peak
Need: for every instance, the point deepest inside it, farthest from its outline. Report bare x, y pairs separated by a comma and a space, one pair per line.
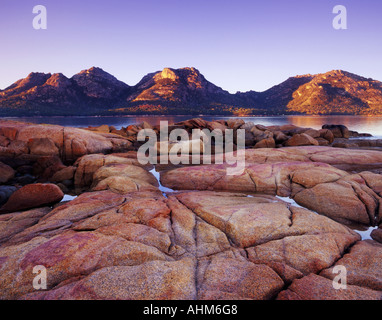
166, 73
58, 80
338, 92
96, 74
341, 74
36, 78
190, 70
337, 72
97, 83
33, 79
93, 71
37, 74
175, 85
177, 74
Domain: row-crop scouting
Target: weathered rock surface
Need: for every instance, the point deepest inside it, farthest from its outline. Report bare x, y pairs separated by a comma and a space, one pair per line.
224, 277
377, 235
302, 139
68, 143
140, 245
154, 280
5, 193
344, 201
349, 160
272, 232
86, 166
339, 131
32, 196
344, 197
342, 158
16, 222
363, 265
314, 287
43, 147
6, 173
123, 178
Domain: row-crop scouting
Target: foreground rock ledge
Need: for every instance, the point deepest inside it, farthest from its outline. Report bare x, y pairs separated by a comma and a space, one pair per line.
191, 245
352, 199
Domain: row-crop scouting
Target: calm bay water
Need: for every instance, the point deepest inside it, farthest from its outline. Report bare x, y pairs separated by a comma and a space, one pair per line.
362, 124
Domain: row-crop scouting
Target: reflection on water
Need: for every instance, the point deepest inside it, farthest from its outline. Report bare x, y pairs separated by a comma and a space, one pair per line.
363, 124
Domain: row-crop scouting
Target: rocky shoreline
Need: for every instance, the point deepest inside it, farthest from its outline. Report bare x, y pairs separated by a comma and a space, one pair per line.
195, 232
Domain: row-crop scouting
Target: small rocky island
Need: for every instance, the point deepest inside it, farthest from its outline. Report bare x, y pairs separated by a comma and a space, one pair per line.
79, 203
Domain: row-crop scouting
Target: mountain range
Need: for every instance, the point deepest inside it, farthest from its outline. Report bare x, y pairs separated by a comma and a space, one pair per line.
186, 91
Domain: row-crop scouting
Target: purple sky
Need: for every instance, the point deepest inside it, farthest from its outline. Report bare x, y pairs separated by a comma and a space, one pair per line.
239, 45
